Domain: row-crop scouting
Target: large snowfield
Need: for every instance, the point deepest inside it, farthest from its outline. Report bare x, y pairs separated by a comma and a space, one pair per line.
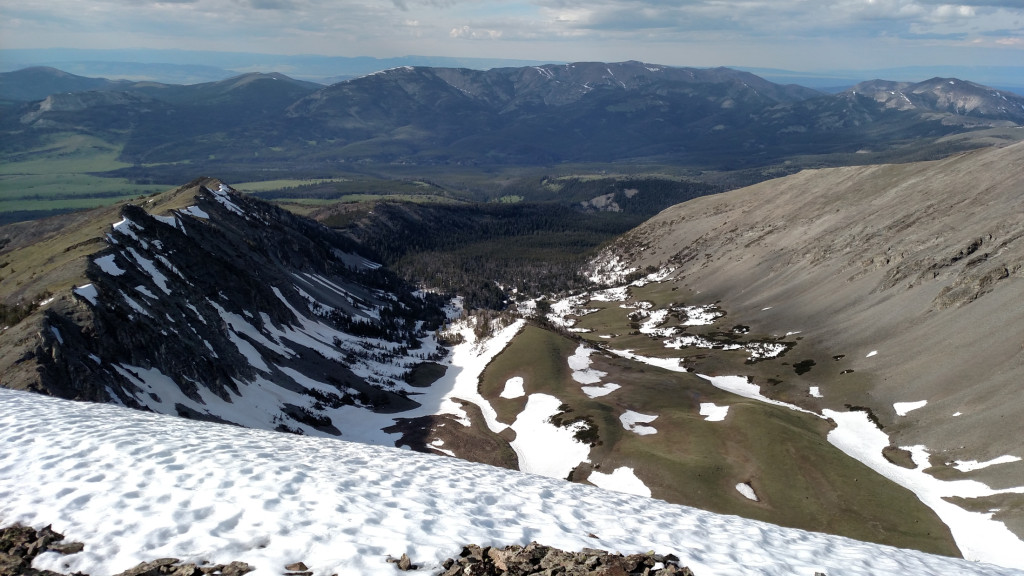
136, 486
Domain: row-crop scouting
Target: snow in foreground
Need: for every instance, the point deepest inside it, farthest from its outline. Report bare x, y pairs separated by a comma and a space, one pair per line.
135, 486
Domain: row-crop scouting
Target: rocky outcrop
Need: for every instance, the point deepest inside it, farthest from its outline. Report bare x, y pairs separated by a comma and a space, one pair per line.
535, 558
195, 296
19, 546
174, 567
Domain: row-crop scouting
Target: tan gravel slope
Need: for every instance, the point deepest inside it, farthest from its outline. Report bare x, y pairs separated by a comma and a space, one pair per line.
923, 263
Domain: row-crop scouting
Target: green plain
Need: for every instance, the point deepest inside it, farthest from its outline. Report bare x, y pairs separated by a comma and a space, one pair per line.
63, 174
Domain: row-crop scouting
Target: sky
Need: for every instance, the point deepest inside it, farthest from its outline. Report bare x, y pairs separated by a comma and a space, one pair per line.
804, 35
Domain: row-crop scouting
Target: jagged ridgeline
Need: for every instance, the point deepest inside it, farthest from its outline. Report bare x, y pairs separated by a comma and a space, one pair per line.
203, 303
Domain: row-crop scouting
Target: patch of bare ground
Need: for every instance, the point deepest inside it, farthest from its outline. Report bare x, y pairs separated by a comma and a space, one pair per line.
445, 434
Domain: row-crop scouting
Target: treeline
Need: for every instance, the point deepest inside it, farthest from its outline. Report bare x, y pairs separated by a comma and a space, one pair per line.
485, 251
646, 195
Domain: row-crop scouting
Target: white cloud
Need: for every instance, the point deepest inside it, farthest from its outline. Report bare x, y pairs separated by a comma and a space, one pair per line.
798, 34
474, 33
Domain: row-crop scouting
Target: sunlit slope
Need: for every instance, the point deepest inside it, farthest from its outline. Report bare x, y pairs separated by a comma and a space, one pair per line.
904, 283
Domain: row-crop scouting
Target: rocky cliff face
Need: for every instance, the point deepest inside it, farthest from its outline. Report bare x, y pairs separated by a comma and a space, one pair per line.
206, 304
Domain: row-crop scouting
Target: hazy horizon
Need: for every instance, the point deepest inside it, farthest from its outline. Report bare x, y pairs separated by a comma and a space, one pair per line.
782, 34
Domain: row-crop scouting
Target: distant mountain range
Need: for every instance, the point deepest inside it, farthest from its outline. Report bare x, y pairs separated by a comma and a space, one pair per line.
193, 66
583, 112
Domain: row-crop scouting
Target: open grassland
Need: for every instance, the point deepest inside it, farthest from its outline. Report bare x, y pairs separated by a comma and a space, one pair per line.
63, 173
282, 185
800, 479
50, 256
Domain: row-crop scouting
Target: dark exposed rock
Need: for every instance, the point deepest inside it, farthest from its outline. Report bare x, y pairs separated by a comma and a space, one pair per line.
537, 559
198, 297
404, 563
19, 545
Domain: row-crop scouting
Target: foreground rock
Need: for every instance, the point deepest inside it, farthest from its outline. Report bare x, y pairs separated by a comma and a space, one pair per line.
19, 546
538, 559
174, 567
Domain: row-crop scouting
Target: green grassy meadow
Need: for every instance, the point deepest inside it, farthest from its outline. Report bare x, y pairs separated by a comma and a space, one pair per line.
64, 174
801, 480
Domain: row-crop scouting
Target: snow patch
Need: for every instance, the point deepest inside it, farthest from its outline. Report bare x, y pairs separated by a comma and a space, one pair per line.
902, 408
169, 220
702, 315
513, 388
107, 264
712, 412
762, 350
633, 421
748, 491
673, 364
197, 212
221, 194
619, 294
978, 535
88, 292
150, 268
622, 479
598, 391
542, 447
971, 465
145, 292
741, 386
579, 362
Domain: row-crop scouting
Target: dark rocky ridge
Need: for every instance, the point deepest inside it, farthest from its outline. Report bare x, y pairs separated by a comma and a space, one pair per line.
198, 294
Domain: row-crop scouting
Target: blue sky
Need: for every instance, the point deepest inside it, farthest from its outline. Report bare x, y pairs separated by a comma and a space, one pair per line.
791, 34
